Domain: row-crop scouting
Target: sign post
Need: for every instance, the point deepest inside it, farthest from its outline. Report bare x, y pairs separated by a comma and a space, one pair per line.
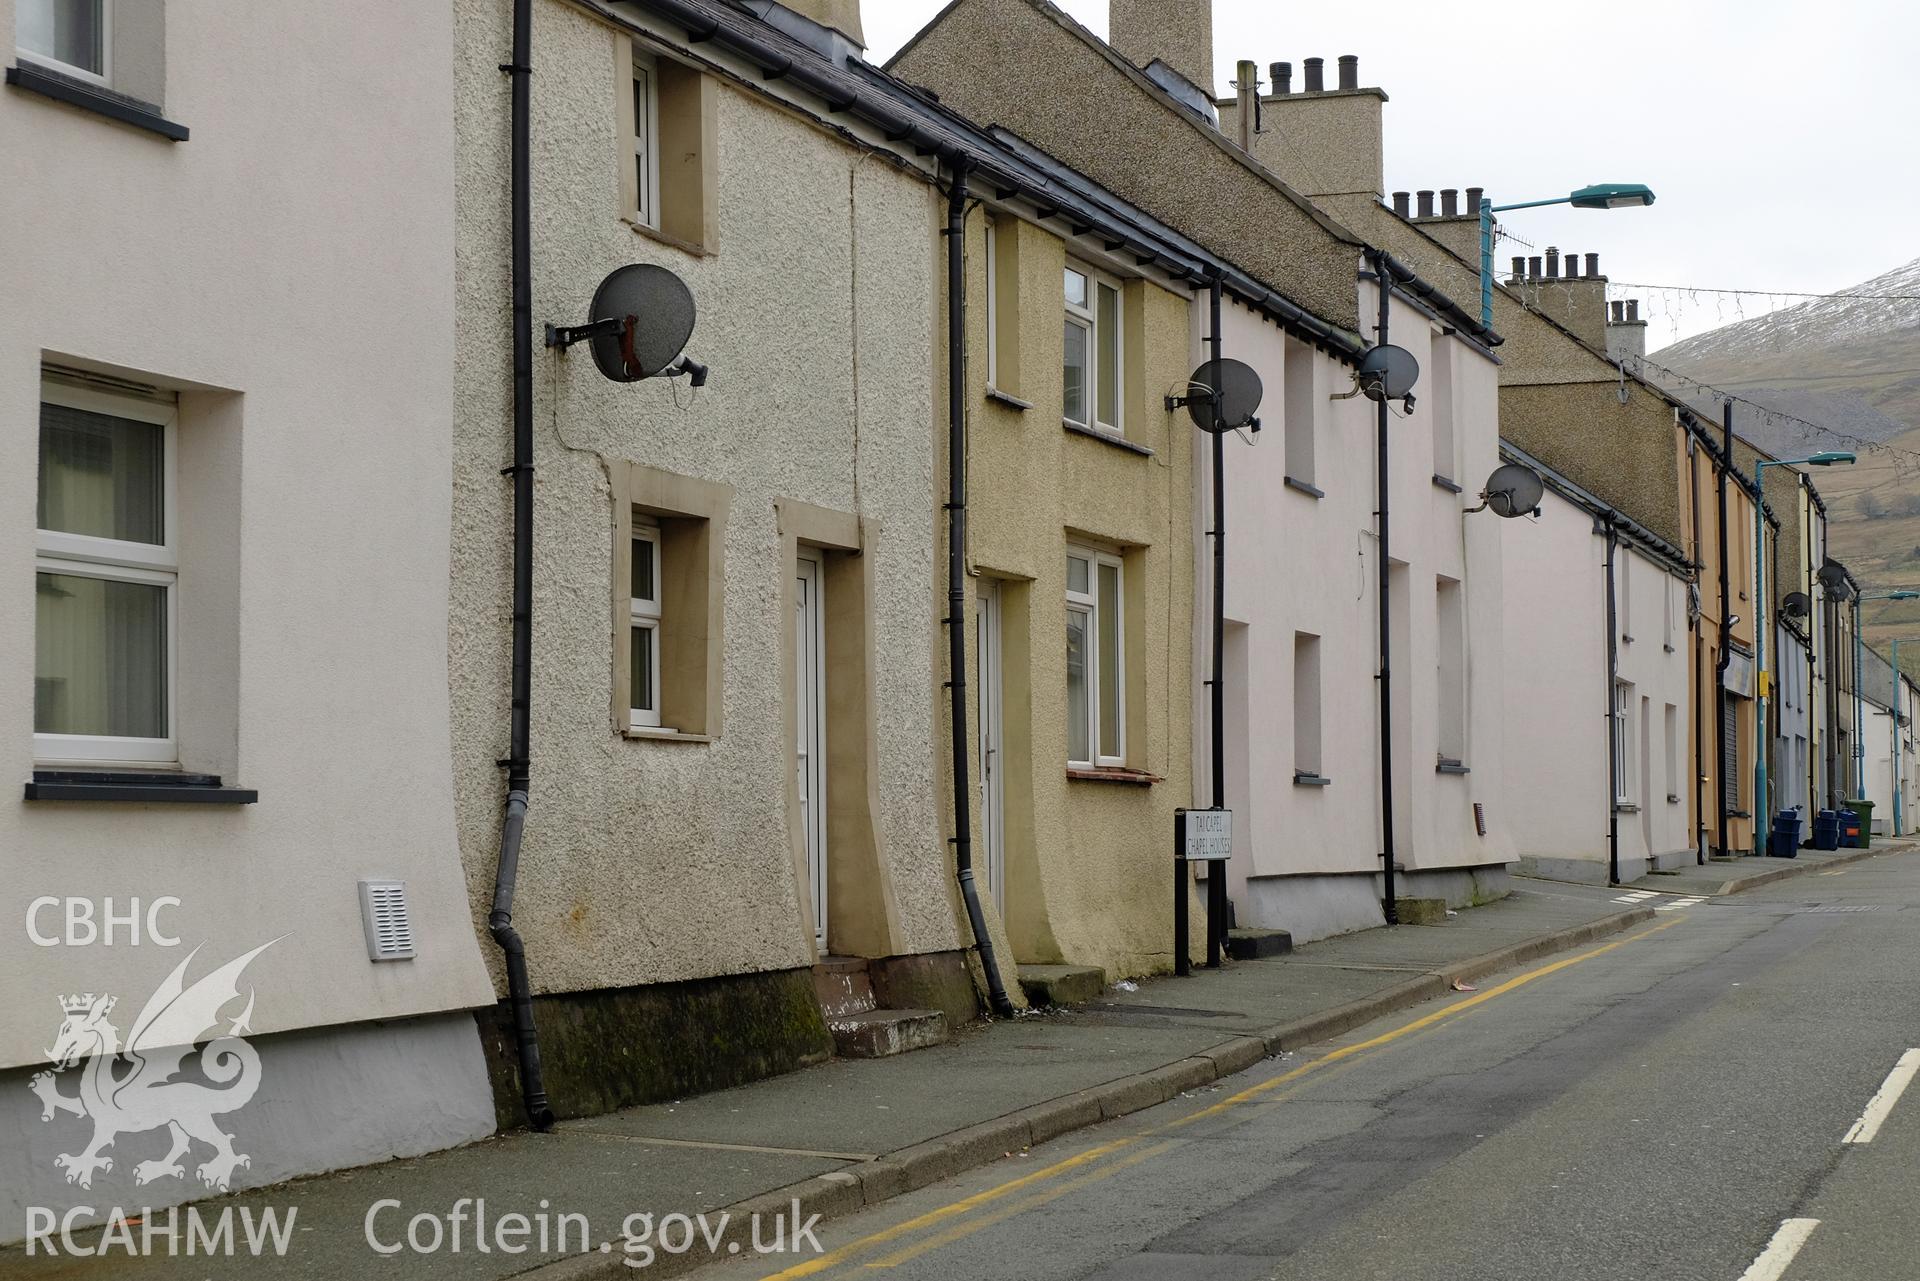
1200, 836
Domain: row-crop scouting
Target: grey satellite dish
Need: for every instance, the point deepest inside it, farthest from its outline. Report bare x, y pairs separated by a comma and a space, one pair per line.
1797, 605
641, 318
1513, 490
1833, 576
1387, 372
1236, 387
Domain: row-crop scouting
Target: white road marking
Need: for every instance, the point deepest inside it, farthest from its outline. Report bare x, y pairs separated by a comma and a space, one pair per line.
1680, 903
1774, 1260
1882, 1103
1636, 896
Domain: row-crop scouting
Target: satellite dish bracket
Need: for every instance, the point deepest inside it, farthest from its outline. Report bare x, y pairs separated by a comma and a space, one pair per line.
565, 336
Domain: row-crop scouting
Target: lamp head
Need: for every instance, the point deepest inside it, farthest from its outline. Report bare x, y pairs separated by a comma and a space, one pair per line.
1612, 195
1828, 458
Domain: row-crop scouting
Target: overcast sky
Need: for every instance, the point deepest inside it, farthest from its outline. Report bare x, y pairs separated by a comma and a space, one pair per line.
1778, 135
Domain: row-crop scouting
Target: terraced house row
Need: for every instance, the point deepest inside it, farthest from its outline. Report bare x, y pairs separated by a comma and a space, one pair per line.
578, 725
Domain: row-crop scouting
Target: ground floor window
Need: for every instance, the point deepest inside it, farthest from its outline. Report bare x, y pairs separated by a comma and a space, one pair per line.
1096, 660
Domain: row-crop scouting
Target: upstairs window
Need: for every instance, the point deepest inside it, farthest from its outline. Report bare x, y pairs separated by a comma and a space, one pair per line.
645, 174
667, 122
67, 35
1091, 357
106, 571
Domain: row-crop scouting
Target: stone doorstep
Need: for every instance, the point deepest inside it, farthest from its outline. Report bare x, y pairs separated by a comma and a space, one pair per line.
1255, 945
877, 1034
844, 986
1421, 911
1062, 984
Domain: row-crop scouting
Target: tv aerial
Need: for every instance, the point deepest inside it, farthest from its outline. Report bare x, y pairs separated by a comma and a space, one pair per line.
638, 326
1230, 385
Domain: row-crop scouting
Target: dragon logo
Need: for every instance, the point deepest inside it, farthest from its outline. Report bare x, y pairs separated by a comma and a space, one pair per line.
134, 1088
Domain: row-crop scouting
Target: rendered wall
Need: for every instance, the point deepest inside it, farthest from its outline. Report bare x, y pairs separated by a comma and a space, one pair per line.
651, 861
301, 301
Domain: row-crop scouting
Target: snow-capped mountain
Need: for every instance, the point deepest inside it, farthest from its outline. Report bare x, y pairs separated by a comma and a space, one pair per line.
1861, 314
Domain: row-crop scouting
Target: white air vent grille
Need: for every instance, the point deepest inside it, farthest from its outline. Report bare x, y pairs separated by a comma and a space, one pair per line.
388, 920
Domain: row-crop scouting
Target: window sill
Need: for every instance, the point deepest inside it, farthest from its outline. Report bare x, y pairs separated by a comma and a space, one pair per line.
1301, 486
140, 787
672, 242
1625, 807
1443, 482
663, 735
1307, 778
1108, 437
1448, 765
1112, 774
98, 99
1007, 398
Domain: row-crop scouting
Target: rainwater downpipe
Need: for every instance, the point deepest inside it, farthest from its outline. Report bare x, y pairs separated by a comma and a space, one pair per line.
500, 919
1613, 706
1384, 283
956, 233
1725, 658
1699, 660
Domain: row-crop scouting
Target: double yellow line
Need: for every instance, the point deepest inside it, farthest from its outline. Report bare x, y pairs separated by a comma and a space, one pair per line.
1141, 1150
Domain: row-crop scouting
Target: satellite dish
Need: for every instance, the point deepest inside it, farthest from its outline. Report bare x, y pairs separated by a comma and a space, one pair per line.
1513, 490
641, 318
1236, 388
1833, 576
1387, 372
1797, 605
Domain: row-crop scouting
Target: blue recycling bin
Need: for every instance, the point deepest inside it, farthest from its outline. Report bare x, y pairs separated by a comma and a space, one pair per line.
1826, 830
1849, 828
1786, 834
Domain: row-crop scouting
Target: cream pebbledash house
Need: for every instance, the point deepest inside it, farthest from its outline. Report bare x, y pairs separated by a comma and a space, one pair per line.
228, 391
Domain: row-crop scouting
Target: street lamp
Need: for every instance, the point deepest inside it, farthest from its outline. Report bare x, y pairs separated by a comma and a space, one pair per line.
1601, 195
1859, 705
1825, 458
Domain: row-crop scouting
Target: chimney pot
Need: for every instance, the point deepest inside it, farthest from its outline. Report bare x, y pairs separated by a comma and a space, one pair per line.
1519, 267
1449, 202
1571, 266
1633, 310
1553, 262
1533, 267
1401, 201
1593, 264
1426, 205
1316, 79
1617, 310
1349, 71
1282, 75
1474, 196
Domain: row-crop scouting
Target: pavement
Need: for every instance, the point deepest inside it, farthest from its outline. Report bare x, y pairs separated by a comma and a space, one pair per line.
850, 1137
1731, 876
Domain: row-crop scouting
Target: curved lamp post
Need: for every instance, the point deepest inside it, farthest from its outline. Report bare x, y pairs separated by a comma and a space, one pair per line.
1826, 458
1601, 195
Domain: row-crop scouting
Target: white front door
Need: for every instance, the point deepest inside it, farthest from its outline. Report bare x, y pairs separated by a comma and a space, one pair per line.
992, 790
809, 688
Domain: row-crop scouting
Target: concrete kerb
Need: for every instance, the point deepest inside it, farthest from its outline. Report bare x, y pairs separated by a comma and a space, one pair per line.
841, 1192
1783, 873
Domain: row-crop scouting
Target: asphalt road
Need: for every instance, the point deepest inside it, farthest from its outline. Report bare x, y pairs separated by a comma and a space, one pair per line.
1673, 1104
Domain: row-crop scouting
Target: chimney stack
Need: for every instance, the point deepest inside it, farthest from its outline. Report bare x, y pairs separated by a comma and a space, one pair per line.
1177, 32
1626, 332
1316, 82
1593, 264
1347, 168
1282, 75
1449, 202
1349, 71
1402, 203
1425, 206
842, 15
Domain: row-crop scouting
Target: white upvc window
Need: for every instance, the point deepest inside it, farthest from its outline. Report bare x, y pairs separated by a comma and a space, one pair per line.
71, 36
643, 608
993, 306
1096, 660
646, 139
1091, 361
106, 573
1622, 743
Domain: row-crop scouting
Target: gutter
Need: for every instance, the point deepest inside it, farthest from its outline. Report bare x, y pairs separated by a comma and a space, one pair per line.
500, 919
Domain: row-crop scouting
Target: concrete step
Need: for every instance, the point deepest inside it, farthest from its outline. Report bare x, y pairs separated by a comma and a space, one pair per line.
843, 986
1421, 911
1255, 945
876, 1034
1062, 984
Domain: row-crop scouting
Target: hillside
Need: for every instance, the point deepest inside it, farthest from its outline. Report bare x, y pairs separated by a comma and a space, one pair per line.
1851, 364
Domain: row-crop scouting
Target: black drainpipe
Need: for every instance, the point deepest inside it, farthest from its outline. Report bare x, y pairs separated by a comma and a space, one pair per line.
957, 578
1726, 631
1613, 711
1217, 702
1699, 660
500, 919
1384, 283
